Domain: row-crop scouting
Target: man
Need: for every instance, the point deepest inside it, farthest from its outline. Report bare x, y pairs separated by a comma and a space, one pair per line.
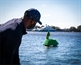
11, 34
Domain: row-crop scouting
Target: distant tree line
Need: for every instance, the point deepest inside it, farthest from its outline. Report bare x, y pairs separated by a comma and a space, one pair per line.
71, 29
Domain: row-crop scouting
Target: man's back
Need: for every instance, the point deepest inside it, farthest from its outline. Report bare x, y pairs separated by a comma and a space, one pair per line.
10, 38
6, 30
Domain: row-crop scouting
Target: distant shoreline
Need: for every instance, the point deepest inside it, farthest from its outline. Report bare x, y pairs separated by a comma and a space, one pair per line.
56, 29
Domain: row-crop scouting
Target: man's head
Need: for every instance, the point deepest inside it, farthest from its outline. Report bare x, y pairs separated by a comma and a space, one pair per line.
31, 17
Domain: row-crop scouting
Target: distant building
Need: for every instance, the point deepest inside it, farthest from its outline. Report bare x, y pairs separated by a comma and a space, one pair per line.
47, 28
36, 29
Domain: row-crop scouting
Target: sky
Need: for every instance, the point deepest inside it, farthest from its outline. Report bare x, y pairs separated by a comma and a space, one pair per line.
60, 13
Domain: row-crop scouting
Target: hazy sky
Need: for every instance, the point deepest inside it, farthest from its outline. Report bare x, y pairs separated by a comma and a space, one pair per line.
61, 13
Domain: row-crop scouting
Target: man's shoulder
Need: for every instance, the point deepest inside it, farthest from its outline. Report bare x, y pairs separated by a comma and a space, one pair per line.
11, 24
13, 21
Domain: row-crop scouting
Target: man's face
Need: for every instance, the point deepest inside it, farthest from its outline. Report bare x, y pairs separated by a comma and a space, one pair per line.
32, 24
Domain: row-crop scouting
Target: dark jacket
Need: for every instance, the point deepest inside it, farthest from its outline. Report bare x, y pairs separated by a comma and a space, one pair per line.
10, 39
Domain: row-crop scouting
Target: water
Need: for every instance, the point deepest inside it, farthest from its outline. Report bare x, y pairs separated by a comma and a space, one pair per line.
68, 52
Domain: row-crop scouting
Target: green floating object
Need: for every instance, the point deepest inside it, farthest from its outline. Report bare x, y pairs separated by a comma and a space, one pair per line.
49, 42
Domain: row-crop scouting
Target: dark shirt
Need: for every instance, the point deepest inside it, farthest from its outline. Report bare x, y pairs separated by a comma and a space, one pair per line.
10, 38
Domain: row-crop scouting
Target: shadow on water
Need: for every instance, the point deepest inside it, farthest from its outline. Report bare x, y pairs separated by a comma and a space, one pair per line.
50, 47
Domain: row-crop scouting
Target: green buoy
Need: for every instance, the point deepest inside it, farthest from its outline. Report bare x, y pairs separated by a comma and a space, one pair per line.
50, 42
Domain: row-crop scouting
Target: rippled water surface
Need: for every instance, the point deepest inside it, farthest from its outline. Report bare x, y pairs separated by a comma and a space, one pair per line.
68, 52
